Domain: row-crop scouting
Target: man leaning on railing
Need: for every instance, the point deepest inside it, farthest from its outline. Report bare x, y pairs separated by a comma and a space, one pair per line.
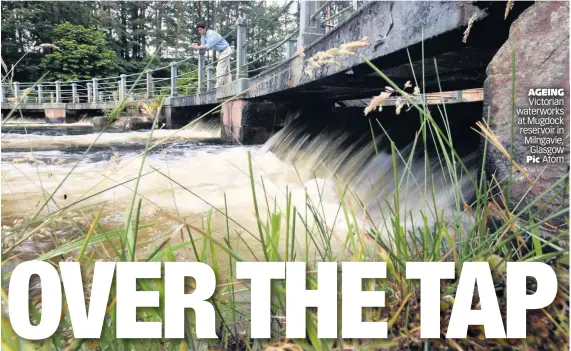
211, 40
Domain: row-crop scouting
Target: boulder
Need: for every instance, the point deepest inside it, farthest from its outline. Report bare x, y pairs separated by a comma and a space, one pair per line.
539, 38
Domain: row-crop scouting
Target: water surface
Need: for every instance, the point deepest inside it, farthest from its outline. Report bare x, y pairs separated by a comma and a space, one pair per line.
191, 176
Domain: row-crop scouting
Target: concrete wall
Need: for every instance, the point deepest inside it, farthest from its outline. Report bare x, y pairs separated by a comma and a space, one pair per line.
55, 115
252, 121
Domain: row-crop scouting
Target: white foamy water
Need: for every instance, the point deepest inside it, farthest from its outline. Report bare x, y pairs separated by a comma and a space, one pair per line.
35, 123
50, 142
187, 177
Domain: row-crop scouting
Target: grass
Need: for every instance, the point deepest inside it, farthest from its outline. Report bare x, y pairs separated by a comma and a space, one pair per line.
496, 234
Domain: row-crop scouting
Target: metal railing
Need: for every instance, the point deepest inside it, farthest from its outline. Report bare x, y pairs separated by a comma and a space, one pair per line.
166, 81
326, 18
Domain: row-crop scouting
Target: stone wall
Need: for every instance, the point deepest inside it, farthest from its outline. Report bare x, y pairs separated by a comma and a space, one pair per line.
539, 39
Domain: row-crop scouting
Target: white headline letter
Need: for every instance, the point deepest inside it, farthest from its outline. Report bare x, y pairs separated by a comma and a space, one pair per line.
476, 273
260, 274
18, 304
324, 298
430, 274
354, 299
518, 300
128, 299
176, 300
84, 325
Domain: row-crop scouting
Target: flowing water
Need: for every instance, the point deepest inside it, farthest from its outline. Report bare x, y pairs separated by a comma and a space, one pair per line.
190, 172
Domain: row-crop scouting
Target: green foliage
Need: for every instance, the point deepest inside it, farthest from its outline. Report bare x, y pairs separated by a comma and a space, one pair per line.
83, 53
112, 115
435, 238
26, 22
133, 30
187, 82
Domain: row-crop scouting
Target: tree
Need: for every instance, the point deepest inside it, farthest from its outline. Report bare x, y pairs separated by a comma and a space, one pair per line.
26, 22
83, 54
136, 29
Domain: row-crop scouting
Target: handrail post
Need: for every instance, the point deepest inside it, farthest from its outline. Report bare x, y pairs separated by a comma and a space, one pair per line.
201, 69
52, 97
4, 94
241, 58
149, 84
40, 94
291, 48
16, 91
95, 90
74, 93
355, 5
89, 92
173, 78
315, 13
58, 91
209, 80
310, 29
122, 87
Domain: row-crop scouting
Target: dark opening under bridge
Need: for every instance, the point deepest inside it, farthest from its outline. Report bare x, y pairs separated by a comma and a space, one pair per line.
408, 41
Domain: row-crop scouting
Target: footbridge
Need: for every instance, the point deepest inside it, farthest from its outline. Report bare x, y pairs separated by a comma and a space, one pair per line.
438, 46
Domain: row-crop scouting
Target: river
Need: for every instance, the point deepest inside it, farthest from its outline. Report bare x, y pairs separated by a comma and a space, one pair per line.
190, 172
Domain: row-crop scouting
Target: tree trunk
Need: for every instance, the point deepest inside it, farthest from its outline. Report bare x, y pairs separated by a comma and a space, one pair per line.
124, 44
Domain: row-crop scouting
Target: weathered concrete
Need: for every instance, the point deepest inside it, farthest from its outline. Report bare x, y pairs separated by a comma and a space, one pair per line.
207, 98
250, 122
540, 40
55, 114
310, 28
178, 117
238, 86
389, 26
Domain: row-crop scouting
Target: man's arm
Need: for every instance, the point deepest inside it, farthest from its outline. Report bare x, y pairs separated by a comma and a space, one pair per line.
202, 44
211, 39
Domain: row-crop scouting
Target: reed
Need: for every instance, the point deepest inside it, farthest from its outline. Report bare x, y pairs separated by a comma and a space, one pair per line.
493, 234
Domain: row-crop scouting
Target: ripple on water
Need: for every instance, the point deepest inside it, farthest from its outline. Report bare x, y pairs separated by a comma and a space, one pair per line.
194, 174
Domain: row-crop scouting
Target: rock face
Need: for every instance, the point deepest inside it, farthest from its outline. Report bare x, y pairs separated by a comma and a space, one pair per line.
540, 40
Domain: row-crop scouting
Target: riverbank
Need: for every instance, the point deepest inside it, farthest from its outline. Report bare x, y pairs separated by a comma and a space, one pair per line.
299, 197
305, 195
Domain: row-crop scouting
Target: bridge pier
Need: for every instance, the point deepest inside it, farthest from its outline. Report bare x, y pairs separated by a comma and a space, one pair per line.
252, 121
168, 114
178, 117
239, 125
56, 113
